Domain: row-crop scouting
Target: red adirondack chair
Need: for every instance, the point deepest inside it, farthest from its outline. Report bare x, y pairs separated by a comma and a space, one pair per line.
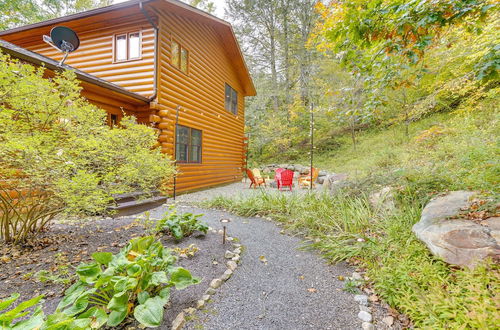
255, 182
277, 176
286, 179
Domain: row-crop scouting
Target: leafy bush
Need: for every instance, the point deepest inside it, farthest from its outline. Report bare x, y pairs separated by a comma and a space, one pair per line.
136, 280
24, 210
63, 144
180, 226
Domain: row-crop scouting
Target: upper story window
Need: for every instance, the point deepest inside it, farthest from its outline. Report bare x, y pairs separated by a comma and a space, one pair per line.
231, 100
180, 57
128, 46
187, 145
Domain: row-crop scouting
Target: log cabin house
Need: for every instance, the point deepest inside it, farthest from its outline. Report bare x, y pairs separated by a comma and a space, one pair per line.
172, 66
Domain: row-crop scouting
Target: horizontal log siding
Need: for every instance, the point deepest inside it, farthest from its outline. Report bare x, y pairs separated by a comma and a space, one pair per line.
95, 55
200, 94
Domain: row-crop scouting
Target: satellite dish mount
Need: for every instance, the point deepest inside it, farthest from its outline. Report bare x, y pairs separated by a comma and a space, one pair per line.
63, 39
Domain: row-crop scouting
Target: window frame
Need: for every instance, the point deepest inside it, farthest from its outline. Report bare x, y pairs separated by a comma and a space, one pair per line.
189, 145
181, 48
127, 43
228, 105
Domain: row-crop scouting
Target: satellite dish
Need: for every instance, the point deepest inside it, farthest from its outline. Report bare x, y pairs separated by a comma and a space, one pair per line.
64, 39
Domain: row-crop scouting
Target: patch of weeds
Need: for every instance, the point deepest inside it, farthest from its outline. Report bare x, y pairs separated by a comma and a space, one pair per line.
180, 225
351, 286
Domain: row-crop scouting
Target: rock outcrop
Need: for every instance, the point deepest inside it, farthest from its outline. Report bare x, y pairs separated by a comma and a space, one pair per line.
457, 241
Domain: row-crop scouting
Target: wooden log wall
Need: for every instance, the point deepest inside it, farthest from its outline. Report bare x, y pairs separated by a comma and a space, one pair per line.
201, 96
95, 54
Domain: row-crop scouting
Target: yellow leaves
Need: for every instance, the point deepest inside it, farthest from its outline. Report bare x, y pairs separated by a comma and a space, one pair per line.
263, 260
430, 134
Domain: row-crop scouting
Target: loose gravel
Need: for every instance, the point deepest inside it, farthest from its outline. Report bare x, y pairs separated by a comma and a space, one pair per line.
276, 285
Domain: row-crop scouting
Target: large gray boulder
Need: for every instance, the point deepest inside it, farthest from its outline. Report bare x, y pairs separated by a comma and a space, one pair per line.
334, 182
457, 241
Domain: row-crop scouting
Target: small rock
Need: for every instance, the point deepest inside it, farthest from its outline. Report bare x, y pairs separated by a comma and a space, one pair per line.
179, 321
367, 326
200, 304
361, 299
236, 245
206, 297
357, 276
237, 251
210, 291
190, 310
365, 316
227, 274
216, 283
229, 255
389, 320
364, 308
236, 258
221, 231
232, 265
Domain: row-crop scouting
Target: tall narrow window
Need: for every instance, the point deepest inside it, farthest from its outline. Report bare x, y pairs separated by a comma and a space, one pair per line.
184, 60
231, 100
188, 144
180, 57
134, 46
175, 54
128, 46
121, 48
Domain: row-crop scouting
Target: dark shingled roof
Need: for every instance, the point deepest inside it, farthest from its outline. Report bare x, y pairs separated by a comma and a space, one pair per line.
35, 58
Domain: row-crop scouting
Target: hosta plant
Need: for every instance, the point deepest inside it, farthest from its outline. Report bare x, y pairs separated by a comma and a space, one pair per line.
180, 225
136, 281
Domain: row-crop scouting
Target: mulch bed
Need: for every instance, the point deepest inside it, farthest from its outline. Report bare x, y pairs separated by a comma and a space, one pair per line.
66, 245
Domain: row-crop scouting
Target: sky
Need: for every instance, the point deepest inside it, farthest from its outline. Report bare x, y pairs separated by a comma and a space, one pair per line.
219, 4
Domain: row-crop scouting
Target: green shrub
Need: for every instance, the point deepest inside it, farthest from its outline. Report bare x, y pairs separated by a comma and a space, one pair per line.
135, 281
62, 143
180, 226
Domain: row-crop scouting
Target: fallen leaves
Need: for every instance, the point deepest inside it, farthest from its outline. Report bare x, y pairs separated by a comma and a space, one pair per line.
312, 290
263, 260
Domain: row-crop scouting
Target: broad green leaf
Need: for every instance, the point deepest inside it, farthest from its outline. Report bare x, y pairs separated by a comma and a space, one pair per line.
97, 316
19, 310
103, 258
142, 297
88, 272
71, 294
182, 278
34, 322
6, 303
158, 278
134, 270
79, 305
150, 313
116, 317
119, 302
141, 244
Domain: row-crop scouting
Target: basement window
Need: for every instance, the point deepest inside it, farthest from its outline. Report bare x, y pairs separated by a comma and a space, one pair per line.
128, 47
231, 100
188, 145
180, 57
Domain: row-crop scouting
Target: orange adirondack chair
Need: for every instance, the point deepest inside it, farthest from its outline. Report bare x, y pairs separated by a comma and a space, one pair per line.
305, 180
255, 182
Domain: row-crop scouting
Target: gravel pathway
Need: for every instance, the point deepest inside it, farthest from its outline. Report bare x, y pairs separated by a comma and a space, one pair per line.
289, 289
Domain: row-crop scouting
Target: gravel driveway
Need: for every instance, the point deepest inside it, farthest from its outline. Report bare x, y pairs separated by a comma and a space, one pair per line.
289, 289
